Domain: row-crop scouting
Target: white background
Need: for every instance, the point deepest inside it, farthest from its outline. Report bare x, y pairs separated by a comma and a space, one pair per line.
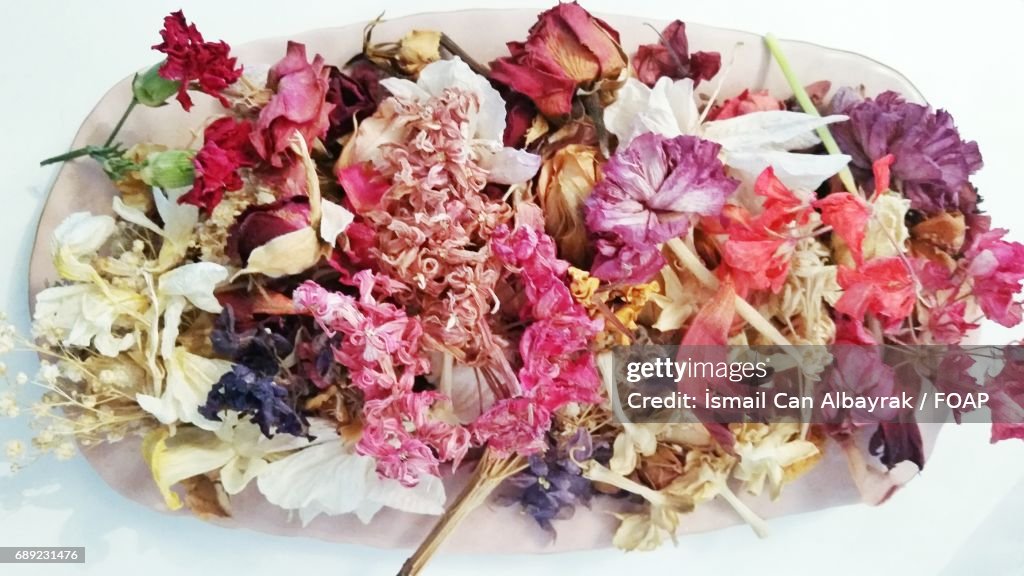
962, 516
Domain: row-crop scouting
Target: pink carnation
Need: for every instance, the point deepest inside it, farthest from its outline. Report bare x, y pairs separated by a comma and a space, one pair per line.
996, 267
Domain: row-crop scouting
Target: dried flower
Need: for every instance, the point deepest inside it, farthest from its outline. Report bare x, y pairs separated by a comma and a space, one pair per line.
650, 192
226, 149
996, 268
747, 102
566, 49
299, 105
566, 180
671, 58
257, 396
932, 162
192, 61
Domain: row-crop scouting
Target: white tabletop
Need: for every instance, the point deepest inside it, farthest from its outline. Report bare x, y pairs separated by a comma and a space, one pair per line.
962, 516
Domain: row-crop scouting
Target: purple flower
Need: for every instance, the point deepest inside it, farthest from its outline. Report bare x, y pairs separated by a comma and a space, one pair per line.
933, 163
258, 396
650, 192
553, 484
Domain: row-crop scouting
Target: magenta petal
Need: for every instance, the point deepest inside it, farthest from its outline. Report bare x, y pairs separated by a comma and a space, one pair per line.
363, 187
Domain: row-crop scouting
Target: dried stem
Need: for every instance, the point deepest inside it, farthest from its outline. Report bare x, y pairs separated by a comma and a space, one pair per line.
453, 48
490, 472
808, 106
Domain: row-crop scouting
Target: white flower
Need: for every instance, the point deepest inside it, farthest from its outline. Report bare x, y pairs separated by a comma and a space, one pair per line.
331, 478
66, 451
188, 382
84, 315
179, 223
237, 450
49, 372
76, 240
750, 143
487, 128
187, 378
14, 449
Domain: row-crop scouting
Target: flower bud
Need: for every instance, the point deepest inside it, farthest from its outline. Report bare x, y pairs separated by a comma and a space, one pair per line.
151, 89
168, 170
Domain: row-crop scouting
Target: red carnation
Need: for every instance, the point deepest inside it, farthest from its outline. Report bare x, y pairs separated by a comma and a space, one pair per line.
226, 148
194, 62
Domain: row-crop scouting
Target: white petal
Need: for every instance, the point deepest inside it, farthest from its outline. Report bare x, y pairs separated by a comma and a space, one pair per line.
669, 109
796, 171
510, 165
190, 378
135, 216
82, 234
776, 129
334, 219
438, 76
196, 282
404, 90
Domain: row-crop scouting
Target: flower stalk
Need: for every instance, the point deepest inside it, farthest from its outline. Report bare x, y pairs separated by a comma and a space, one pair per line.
490, 472
94, 150
805, 102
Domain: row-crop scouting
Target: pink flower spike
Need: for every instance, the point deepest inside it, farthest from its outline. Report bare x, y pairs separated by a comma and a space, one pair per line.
513, 426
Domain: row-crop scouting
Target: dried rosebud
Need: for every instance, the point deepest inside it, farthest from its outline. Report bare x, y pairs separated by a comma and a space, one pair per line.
260, 224
355, 95
566, 180
169, 169
567, 49
407, 56
298, 105
745, 103
671, 58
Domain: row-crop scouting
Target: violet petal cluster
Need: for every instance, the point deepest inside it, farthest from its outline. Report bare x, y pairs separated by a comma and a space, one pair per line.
933, 163
650, 193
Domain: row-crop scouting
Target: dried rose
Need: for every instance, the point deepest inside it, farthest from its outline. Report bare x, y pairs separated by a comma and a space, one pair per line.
671, 58
407, 56
258, 225
566, 180
355, 95
299, 105
191, 63
566, 49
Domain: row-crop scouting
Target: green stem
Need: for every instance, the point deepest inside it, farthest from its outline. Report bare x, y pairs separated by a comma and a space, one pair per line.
77, 153
805, 102
120, 123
